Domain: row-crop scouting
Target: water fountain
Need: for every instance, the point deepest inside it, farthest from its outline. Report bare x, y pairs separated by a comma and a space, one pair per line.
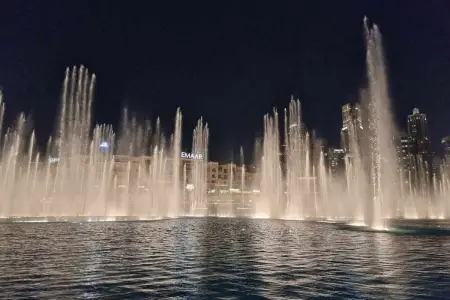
95, 174
197, 179
90, 172
296, 184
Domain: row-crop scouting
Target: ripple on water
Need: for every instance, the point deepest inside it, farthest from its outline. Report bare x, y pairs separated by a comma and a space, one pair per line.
218, 257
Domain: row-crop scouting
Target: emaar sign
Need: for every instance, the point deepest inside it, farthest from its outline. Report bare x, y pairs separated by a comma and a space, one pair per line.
191, 155
53, 160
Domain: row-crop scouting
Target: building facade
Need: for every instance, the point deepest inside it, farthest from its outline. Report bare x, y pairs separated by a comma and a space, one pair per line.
336, 160
218, 176
417, 125
446, 161
446, 145
351, 127
405, 158
418, 132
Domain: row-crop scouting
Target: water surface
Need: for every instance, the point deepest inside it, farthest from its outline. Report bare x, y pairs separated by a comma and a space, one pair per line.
214, 258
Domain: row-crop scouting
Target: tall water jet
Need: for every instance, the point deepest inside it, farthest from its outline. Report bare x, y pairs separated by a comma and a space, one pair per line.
174, 201
356, 163
2, 113
242, 175
95, 188
72, 142
198, 201
295, 155
271, 203
382, 154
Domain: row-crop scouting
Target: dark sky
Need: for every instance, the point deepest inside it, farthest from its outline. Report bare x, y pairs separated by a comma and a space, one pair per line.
227, 61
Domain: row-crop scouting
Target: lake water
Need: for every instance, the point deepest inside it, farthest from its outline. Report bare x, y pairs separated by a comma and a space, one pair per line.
214, 258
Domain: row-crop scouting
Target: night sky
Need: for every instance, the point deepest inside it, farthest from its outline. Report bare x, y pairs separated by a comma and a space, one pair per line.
227, 61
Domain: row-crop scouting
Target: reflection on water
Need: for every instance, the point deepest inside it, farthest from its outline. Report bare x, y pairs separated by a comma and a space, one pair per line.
210, 258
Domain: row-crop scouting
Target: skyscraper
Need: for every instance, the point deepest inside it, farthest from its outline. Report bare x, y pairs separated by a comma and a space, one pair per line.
420, 145
418, 131
336, 160
319, 148
446, 144
436, 166
351, 126
404, 154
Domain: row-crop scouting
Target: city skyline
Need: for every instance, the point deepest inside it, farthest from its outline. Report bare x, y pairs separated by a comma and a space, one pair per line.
351, 117
233, 71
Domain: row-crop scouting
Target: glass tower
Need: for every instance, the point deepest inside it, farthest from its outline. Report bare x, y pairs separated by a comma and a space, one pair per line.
351, 126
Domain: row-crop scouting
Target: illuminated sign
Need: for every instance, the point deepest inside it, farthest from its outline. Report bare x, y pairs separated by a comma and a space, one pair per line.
53, 160
191, 155
104, 146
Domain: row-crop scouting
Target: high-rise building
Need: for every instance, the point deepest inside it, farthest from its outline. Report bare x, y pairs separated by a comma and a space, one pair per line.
295, 132
446, 163
320, 148
421, 145
404, 154
351, 126
336, 160
436, 166
418, 131
446, 144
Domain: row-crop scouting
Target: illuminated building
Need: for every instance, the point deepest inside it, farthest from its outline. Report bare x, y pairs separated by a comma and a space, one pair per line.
212, 174
218, 176
351, 126
232, 176
435, 166
446, 144
320, 146
406, 161
418, 132
446, 162
420, 143
336, 160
